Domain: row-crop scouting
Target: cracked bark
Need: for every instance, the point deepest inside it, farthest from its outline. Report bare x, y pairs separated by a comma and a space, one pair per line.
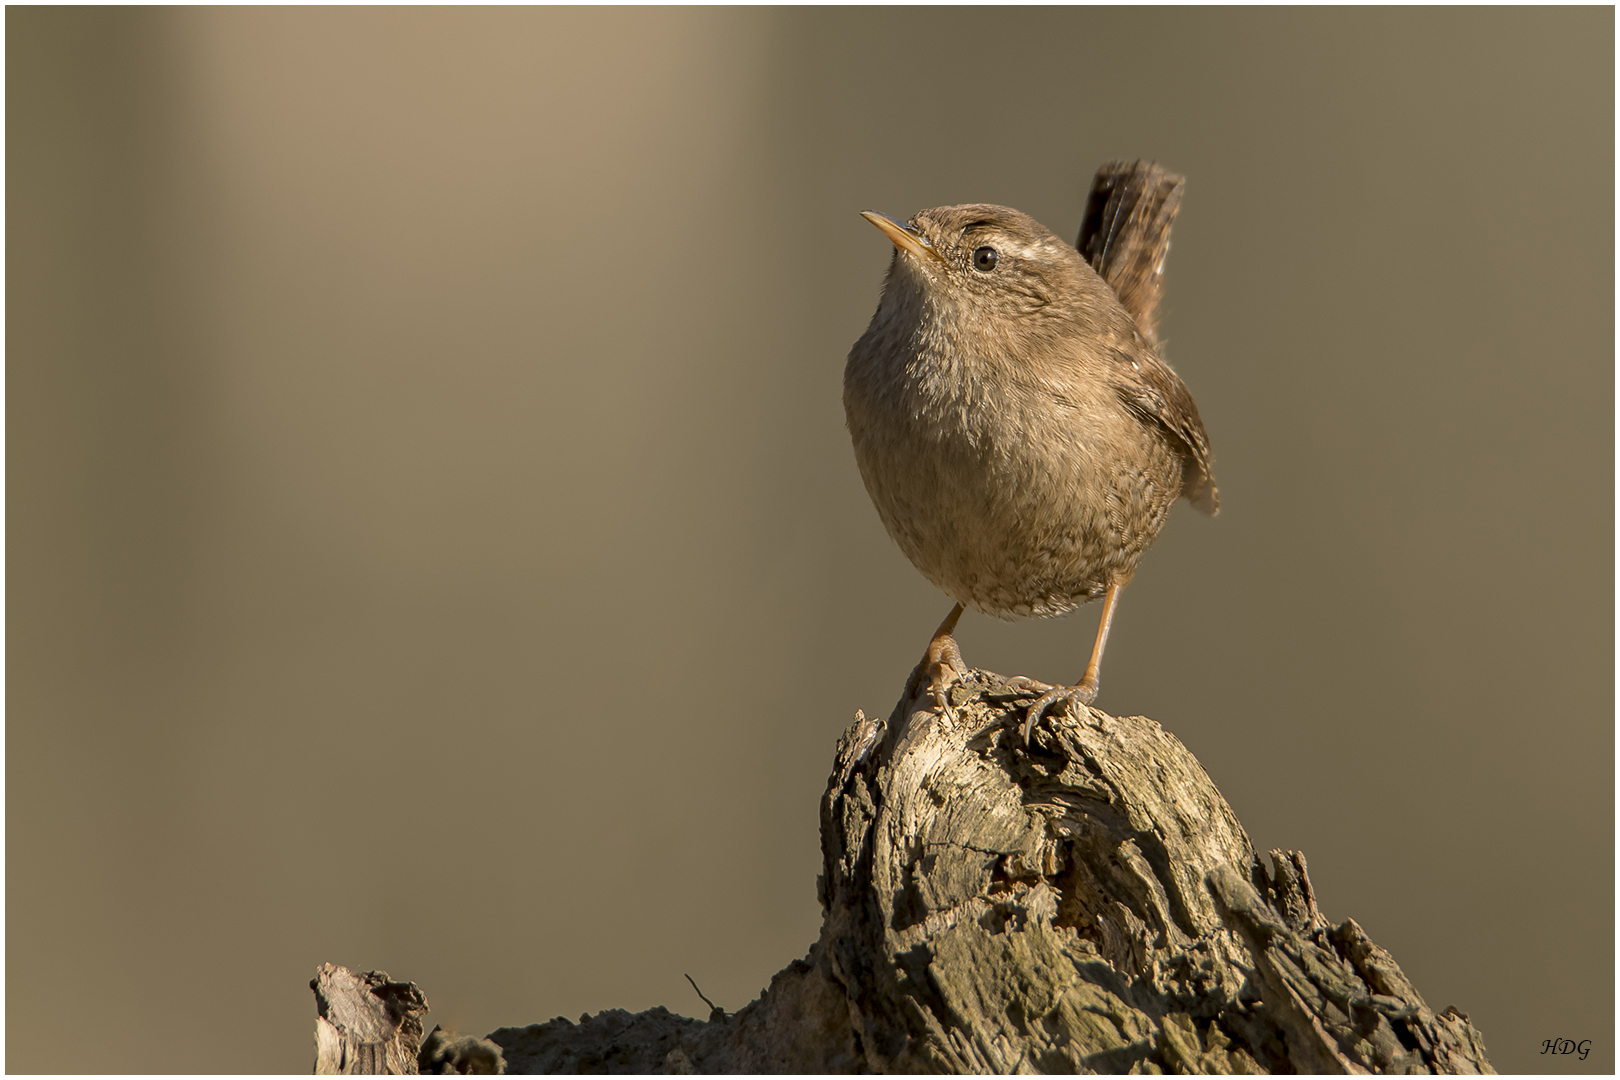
1088, 903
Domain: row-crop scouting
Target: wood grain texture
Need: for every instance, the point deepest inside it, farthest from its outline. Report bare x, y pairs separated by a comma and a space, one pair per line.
1085, 904
365, 1023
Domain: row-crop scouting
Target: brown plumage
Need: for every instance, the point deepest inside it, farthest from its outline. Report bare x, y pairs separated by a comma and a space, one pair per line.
1125, 238
1020, 437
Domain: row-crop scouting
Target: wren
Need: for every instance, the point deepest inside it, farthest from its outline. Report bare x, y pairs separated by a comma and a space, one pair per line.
1019, 434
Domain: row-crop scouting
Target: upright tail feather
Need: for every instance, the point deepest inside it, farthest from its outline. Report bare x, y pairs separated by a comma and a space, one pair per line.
1125, 234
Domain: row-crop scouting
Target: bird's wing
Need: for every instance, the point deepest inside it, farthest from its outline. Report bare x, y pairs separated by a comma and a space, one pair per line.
1149, 388
1125, 237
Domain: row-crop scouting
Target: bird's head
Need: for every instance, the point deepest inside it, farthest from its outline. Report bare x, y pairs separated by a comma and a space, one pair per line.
982, 261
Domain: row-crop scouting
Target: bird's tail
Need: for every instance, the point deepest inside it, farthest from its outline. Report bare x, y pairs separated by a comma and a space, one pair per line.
1125, 235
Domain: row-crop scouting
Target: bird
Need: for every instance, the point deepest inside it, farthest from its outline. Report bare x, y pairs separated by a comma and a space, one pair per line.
1012, 420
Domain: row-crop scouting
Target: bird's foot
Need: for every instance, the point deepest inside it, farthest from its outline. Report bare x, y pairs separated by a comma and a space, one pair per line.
1069, 696
940, 666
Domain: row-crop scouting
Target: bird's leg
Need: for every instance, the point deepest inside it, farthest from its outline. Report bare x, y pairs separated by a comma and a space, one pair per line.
940, 663
1086, 692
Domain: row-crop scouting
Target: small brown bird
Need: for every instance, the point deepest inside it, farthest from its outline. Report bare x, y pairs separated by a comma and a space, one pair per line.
1019, 435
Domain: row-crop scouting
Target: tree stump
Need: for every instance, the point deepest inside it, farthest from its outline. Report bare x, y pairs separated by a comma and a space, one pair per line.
1088, 903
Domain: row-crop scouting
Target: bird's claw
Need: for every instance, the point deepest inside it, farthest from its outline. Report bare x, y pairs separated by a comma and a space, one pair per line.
1070, 696
941, 665
1028, 685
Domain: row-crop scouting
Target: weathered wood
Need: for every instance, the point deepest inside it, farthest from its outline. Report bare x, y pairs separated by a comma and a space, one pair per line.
444, 1053
1088, 903
365, 1023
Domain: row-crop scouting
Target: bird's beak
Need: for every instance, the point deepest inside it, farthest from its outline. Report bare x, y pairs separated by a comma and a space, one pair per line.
904, 236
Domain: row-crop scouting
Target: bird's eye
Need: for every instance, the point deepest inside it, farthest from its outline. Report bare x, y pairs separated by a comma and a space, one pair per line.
985, 259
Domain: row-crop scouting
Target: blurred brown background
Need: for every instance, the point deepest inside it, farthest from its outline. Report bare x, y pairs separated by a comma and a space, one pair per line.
434, 544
